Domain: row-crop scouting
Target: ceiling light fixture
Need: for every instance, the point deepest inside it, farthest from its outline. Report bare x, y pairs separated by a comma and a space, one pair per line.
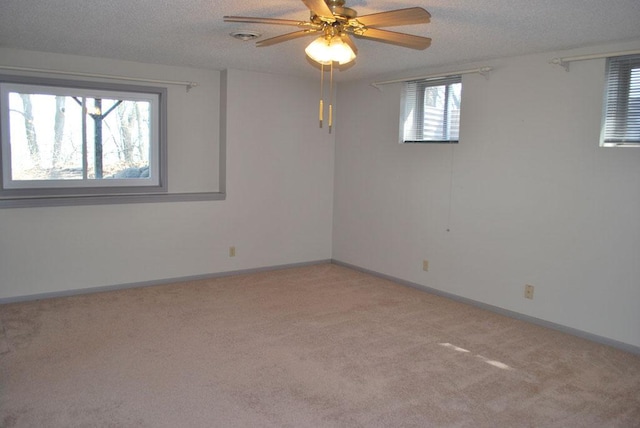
325, 50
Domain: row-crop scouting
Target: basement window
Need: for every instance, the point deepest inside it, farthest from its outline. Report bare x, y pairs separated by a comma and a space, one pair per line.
431, 110
65, 138
621, 122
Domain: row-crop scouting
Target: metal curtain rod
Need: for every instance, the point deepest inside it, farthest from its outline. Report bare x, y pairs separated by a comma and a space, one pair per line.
564, 62
188, 85
481, 70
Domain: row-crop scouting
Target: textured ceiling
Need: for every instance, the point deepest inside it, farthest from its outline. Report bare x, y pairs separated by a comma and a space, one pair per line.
192, 32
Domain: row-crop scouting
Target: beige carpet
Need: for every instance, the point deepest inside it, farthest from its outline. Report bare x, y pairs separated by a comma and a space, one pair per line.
318, 346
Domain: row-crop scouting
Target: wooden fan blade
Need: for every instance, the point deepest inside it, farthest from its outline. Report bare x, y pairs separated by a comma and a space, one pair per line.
400, 39
348, 40
319, 7
265, 21
284, 38
409, 16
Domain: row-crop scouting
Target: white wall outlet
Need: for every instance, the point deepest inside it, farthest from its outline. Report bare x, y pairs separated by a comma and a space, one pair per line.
425, 265
232, 251
528, 291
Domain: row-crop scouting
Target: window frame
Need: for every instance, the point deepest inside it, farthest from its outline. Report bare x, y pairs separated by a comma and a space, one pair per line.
618, 95
418, 107
48, 189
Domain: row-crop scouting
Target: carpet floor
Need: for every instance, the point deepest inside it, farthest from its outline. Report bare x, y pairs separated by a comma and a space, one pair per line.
316, 346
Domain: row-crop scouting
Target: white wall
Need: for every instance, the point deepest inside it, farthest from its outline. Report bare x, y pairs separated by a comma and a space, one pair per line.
278, 208
279, 170
527, 195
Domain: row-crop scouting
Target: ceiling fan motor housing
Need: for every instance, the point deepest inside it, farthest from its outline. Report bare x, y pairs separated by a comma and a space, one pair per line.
339, 11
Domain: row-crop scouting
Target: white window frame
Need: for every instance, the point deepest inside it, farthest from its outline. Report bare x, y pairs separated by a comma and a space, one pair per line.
413, 93
621, 113
157, 180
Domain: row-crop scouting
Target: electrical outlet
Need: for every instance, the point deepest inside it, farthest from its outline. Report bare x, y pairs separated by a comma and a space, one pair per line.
425, 265
232, 251
528, 291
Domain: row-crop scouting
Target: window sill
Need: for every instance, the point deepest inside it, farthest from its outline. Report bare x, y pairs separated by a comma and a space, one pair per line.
430, 142
65, 201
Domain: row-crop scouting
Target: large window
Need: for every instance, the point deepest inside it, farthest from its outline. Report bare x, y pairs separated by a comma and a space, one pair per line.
431, 110
621, 124
71, 138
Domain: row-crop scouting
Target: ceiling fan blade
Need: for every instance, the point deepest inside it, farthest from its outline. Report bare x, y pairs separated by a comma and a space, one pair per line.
265, 21
400, 39
284, 38
349, 41
409, 16
319, 7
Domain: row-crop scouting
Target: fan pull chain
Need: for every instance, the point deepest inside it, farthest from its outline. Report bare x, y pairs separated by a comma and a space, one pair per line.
331, 98
321, 93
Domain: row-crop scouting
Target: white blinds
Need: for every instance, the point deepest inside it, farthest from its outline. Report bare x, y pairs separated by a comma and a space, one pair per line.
622, 109
431, 110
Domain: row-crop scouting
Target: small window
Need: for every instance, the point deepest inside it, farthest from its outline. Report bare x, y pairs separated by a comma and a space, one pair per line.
621, 124
431, 110
66, 138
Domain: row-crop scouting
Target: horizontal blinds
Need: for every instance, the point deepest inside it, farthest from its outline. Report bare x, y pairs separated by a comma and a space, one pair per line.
622, 109
431, 109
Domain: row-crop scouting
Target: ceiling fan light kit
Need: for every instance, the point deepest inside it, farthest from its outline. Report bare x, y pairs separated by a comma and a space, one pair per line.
327, 50
336, 24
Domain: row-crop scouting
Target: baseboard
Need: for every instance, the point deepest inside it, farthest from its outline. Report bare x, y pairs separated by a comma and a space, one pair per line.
74, 292
501, 311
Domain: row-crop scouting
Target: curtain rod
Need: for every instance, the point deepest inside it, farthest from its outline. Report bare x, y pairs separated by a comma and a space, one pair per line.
188, 85
564, 62
481, 70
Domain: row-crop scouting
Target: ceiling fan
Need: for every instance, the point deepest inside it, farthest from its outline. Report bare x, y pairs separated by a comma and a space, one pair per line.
336, 23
